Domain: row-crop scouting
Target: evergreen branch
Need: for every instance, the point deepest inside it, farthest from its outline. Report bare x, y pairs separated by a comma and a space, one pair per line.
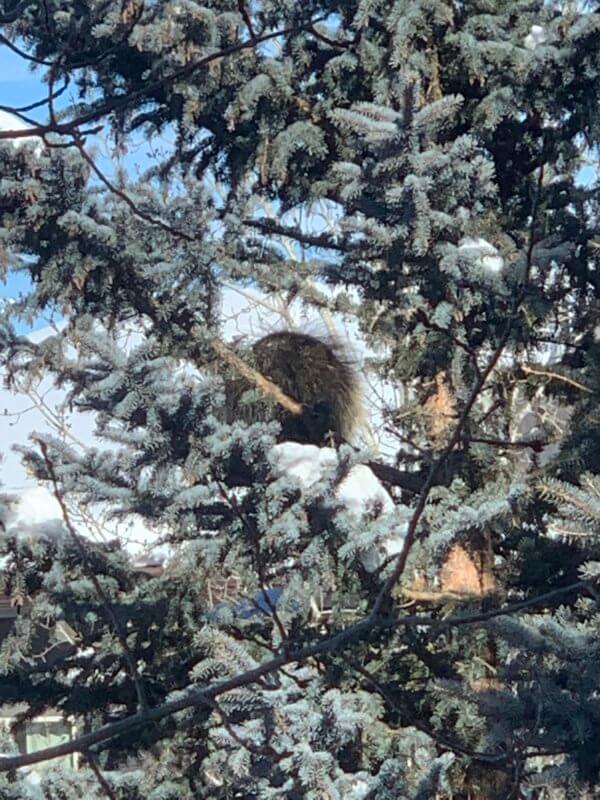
93, 114
77, 139
403, 162
13, 16
268, 226
81, 547
195, 698
361, 631
264, 751
411, 533
228, 498
573, 498
422, 317
436, 467
444, 741
147, 305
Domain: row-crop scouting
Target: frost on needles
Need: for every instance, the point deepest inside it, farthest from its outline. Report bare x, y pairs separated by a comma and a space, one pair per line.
418, 178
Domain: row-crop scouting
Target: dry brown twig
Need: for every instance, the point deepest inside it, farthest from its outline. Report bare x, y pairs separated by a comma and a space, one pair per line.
555, 376
263, 383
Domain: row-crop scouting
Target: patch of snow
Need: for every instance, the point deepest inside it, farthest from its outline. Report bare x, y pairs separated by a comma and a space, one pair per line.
535, 37
359, 492
480, 250
373, 557
307, 463
155, 557
38, 507
304, 462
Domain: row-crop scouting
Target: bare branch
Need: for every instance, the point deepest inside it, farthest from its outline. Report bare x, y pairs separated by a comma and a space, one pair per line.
555, 376
247, 21
405, 480
38, 104
91, 759
484, 616
258, 379
268, 226
328, 40
21, 53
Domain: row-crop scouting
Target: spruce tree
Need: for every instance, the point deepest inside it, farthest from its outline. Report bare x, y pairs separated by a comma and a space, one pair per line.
414, 169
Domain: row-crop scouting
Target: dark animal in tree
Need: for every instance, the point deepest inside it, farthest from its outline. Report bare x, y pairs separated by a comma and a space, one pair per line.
316, 373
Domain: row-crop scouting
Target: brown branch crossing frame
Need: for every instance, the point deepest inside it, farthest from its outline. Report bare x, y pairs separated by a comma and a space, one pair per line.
363, 630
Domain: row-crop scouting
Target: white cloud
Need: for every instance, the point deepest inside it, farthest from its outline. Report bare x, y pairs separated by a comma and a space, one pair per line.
10, 122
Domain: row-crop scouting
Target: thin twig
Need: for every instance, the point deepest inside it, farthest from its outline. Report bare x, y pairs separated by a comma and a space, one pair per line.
38, 103
91, 759
247, 21
22, 54
241, 740
555, 376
